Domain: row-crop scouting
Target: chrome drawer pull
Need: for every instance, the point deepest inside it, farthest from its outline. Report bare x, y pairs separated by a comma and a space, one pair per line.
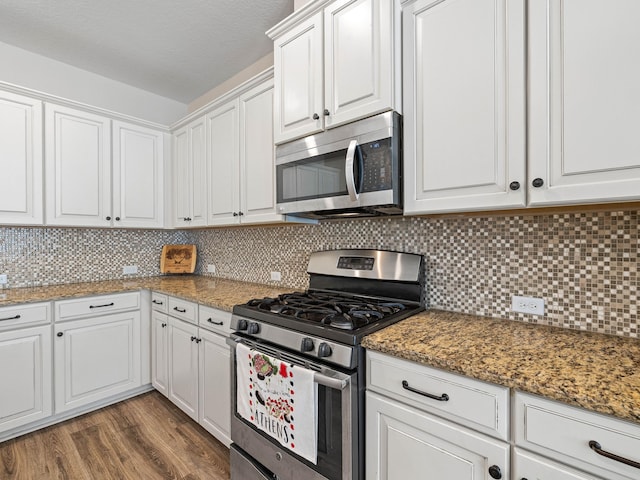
10, 318
596, 447
210, 320
101, 306
442, 398
180, 310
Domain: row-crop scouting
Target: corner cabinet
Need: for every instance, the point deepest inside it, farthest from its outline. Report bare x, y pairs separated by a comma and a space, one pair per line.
21, 159
241, 160
464, 105
335, 62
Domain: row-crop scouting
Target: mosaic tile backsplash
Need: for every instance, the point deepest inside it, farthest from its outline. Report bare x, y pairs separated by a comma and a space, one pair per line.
584, 265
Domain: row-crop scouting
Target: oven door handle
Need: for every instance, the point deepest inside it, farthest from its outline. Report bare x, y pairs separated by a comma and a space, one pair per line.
333, 383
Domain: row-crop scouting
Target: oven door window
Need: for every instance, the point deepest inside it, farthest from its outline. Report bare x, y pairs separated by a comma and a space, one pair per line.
318, 177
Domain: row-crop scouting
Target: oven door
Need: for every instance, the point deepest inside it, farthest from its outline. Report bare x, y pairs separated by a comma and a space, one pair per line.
338, 432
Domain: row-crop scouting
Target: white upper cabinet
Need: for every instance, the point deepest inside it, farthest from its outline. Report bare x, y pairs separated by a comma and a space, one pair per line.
78, 167
224, 164
464, 105
335, 64
137, 176
190, 175
583, 109
299, 76
20, 160
241, 161
257, 156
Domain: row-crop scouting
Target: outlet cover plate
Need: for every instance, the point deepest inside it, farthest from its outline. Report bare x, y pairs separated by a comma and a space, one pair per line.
3, 279
276, 277
129, 269
211, 268
532, 305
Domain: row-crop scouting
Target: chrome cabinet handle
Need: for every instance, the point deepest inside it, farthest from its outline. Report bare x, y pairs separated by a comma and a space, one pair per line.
210, 320
596, 447
10, 318
441, 398
102, 306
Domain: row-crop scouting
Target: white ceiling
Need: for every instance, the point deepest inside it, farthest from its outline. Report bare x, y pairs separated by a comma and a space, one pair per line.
179, 49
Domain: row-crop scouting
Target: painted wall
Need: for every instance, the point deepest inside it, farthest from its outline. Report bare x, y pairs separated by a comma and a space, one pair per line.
43, 74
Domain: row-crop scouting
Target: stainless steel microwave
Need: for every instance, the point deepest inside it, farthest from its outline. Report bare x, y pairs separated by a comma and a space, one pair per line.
348, 171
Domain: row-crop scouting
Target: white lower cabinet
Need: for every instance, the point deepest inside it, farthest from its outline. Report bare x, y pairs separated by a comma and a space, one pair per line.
215, 381
183, 366
160, 352
424, 423
404, 442
190, 361
599, 445
95, 358
25, 357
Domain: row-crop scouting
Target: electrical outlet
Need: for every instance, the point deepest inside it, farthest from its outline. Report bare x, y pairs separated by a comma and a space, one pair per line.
211, 268
275, 276
532, 305
129, 269
3, 279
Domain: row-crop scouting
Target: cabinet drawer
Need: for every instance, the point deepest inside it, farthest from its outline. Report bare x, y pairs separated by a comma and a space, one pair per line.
214, 320
159, 302
472, 403
183, 309
563, 432
23, 315
91, 306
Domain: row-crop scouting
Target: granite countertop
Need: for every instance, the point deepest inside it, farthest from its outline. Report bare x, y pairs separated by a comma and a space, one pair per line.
598, 372
214, 292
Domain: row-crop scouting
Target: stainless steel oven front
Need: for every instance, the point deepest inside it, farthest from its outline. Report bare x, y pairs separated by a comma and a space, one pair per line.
254, 455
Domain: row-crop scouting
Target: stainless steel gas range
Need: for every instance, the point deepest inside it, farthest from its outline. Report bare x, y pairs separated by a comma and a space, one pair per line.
352, 293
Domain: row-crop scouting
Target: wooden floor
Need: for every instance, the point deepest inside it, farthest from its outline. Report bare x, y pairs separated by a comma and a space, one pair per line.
144, 438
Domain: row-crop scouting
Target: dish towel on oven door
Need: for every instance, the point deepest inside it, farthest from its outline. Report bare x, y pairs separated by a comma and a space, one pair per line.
280, 399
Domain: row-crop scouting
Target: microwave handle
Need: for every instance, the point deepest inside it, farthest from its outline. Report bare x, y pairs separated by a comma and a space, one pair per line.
352, 151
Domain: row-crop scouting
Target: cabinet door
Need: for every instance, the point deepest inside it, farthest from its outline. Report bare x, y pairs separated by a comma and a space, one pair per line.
183, 366
257, 156
215, 386
78, 167
298, 71
190, 175
464, 100
531, 467
584, 97
20, 160
137, 176
181, 178
96, 358
26, 393
160, 352
360, 63
224, 164
403, 442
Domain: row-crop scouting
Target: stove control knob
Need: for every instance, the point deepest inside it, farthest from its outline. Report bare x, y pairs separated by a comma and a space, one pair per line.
254, 328
242, 324
306, 345
324, 350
